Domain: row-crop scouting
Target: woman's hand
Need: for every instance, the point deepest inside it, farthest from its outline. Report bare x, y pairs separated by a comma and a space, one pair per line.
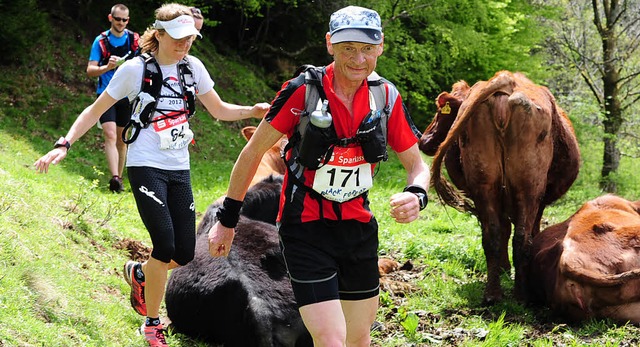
259, 110
53, 157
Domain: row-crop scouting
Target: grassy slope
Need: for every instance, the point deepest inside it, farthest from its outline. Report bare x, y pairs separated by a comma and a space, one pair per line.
60, 268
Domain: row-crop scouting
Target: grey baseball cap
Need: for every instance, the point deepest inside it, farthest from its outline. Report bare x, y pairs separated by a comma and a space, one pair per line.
356, 24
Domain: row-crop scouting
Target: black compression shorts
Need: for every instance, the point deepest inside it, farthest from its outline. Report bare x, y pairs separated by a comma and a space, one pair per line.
165, 203
329, 262
120, 113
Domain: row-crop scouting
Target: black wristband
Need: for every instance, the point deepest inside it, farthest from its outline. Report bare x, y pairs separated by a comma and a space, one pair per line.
420, 192
62, 142
229, 213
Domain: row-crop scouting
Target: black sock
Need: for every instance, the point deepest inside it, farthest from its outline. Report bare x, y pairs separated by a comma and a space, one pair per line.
152, 322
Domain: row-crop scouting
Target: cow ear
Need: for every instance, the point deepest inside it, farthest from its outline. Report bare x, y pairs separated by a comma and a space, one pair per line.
247, 132
636, 206
442, 99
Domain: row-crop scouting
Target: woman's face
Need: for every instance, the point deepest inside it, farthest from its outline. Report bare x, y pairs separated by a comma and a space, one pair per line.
170, 47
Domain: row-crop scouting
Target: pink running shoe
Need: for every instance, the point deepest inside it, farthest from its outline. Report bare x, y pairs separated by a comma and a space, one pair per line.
154, 335
137, 287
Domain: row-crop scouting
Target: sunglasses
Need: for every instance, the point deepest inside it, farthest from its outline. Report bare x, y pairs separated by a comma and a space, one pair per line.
120, 19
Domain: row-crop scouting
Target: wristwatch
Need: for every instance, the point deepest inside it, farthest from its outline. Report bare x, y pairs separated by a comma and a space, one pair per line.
62, 142
420, 192
422, 198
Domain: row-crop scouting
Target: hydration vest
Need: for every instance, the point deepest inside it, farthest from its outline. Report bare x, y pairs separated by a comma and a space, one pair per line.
129, 51
314, 97
145, 105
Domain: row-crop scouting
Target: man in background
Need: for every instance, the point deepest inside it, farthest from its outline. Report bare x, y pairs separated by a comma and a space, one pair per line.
109, 50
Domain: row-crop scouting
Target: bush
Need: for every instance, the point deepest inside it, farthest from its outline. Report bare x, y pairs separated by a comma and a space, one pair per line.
23, 27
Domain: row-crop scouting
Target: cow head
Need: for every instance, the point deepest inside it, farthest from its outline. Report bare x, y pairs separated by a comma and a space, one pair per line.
271, 163
448, 105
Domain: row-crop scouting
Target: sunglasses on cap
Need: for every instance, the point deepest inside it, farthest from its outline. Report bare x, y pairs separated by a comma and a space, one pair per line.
120, 19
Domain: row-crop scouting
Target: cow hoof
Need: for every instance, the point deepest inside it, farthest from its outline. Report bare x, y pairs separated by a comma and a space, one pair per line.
491, 301
492, 298
520, 295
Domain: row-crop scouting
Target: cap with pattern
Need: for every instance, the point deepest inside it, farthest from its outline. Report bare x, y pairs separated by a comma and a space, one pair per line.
355, 24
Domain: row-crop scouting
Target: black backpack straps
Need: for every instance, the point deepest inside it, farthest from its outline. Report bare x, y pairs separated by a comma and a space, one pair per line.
186, 72
188, 82
152, 76
379, 91
313, 77
104, 48
151, 83
134, 43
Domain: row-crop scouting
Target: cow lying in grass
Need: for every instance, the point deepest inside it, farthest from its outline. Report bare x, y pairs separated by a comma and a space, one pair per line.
246, 298
588, 266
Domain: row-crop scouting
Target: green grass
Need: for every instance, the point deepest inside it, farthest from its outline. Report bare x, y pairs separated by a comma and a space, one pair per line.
60, 264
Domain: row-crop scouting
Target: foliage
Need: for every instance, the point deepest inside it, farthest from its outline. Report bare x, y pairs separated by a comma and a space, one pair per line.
599, 41
23, 26
452, 40
455, 40
61, 281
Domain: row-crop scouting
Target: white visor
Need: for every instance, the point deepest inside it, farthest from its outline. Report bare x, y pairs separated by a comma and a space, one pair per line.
179, 27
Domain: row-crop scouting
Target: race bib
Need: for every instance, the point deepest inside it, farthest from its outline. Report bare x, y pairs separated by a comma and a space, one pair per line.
346, 175
174, 132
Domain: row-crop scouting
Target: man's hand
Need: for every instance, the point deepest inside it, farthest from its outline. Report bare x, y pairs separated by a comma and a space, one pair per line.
220, 239
113, 62
405, 207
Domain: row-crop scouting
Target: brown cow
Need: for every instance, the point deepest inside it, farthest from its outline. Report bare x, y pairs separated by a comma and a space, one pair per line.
588, 266
511, 152
271, 163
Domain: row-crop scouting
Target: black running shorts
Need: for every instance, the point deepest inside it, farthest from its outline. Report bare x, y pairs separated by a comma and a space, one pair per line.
329, 260
120, 113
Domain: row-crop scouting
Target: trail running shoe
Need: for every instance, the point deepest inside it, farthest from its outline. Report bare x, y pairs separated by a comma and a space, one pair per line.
154, 335
115, 184
137, 287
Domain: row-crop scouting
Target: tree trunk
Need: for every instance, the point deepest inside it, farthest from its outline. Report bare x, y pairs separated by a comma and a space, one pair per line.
612, 110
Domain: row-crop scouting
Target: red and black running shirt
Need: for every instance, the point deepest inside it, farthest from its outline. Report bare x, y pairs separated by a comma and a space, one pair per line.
296, 205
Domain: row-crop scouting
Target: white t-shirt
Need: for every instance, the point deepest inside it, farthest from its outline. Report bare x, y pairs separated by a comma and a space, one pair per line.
151, 148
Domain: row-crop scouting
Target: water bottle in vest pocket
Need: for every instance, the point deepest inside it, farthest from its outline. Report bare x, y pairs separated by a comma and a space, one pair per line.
317, 140
372, 139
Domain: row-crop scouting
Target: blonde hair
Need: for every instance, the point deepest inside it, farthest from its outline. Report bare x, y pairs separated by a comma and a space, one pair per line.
166, 12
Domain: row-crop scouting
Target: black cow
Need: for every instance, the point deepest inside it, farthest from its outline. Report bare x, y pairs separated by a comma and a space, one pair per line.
246, 298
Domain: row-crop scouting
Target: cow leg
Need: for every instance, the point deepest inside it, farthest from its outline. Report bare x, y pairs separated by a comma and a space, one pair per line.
529, 154
492, 245
522, 242
505, 236
482, 168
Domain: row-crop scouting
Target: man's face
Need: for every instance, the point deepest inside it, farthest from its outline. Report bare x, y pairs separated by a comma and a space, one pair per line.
119, 20
354, 60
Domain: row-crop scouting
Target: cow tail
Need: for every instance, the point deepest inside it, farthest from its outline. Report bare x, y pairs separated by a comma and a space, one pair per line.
504, 82
446, 191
